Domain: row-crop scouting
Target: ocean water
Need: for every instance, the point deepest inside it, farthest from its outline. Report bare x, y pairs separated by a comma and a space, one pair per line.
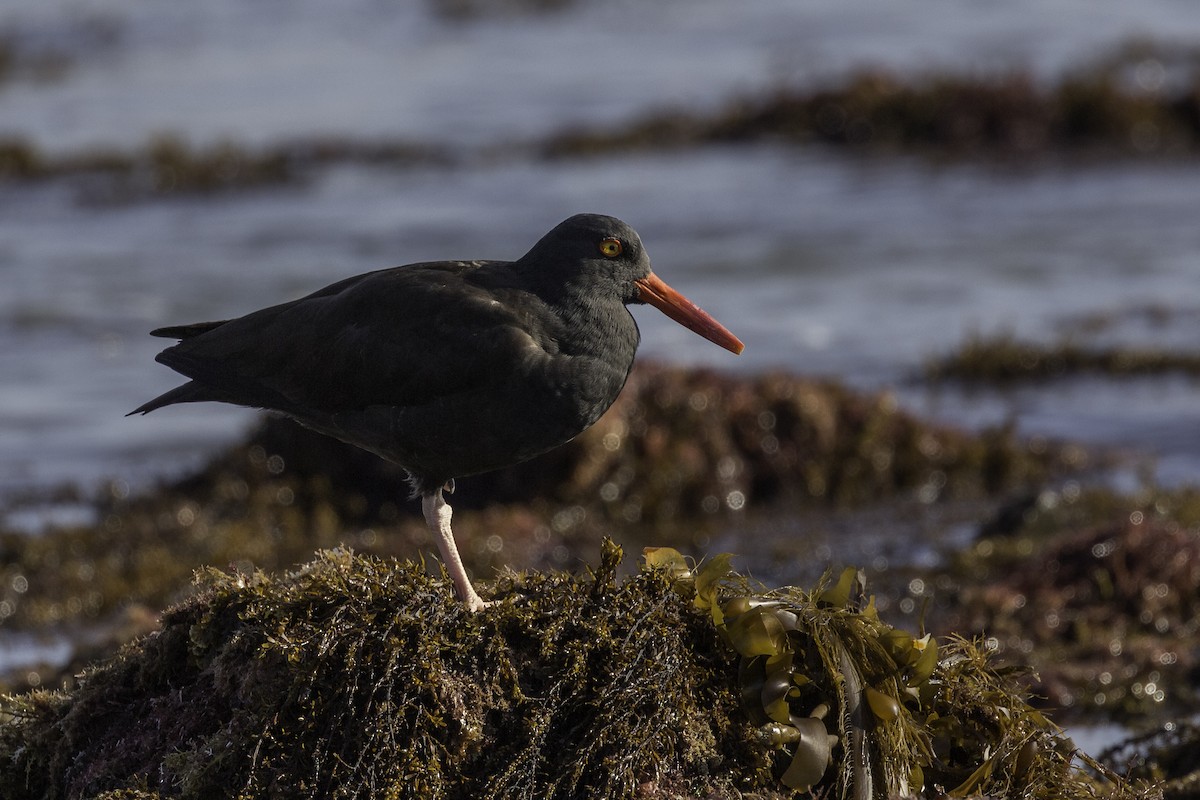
264, 70
824, 263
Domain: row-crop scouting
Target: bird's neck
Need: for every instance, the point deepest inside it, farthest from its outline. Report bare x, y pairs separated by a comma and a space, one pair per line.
598, 328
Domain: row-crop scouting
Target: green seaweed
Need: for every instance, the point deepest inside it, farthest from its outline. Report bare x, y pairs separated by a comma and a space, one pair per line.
684, 448
363, 677
907, 714
1098, 591
169, 165
1096, 109
1166, 756
1003, 359
1102, 108
357, 677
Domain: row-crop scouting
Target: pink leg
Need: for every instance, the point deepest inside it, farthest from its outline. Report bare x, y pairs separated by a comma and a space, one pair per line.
437, 516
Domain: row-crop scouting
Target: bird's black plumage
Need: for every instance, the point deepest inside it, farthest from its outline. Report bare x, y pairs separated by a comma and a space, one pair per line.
446, 368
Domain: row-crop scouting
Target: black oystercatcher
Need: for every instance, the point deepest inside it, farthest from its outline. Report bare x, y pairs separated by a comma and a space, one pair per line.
447, 368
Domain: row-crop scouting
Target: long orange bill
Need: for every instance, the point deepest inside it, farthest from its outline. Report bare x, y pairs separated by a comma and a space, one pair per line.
652, 290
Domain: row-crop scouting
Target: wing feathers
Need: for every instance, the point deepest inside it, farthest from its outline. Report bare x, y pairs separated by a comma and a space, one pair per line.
401, 337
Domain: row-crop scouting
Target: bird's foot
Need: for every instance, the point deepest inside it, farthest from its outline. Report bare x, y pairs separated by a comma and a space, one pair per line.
477, 604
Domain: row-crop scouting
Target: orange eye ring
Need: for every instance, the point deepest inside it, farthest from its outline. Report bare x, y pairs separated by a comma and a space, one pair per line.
611, 247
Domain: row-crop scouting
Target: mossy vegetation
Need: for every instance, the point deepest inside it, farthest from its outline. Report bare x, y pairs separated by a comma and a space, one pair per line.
169, 165
471, 10
243, 637
1123, 104
1142, 100
1099, 591
166, 165
695, 444
359, 677
1004, 359
254, 505
1166, 756
363, 678
688, 448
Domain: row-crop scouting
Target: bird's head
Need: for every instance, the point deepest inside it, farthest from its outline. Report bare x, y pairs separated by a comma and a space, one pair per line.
602, 255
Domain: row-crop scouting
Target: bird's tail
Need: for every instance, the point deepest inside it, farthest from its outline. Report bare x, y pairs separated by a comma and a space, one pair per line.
187, 331
190, 392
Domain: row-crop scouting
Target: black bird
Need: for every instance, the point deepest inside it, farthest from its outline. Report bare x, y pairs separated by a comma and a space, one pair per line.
447, 368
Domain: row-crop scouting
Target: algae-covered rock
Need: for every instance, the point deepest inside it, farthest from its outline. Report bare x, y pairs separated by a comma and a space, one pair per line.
1099, 592
691, 444
1167, 756
363, 677
1097, 109
1002, 359
688, 448
358, 677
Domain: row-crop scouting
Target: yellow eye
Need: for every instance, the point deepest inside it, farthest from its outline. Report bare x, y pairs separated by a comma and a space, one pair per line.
610, 247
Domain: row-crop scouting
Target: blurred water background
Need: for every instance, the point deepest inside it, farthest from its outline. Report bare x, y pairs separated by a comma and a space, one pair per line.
824, 262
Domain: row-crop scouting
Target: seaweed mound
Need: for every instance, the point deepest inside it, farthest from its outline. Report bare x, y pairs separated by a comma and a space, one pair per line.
362, 677
687, 448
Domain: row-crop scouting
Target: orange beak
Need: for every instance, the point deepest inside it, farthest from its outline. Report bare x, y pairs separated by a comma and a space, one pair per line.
652, 290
